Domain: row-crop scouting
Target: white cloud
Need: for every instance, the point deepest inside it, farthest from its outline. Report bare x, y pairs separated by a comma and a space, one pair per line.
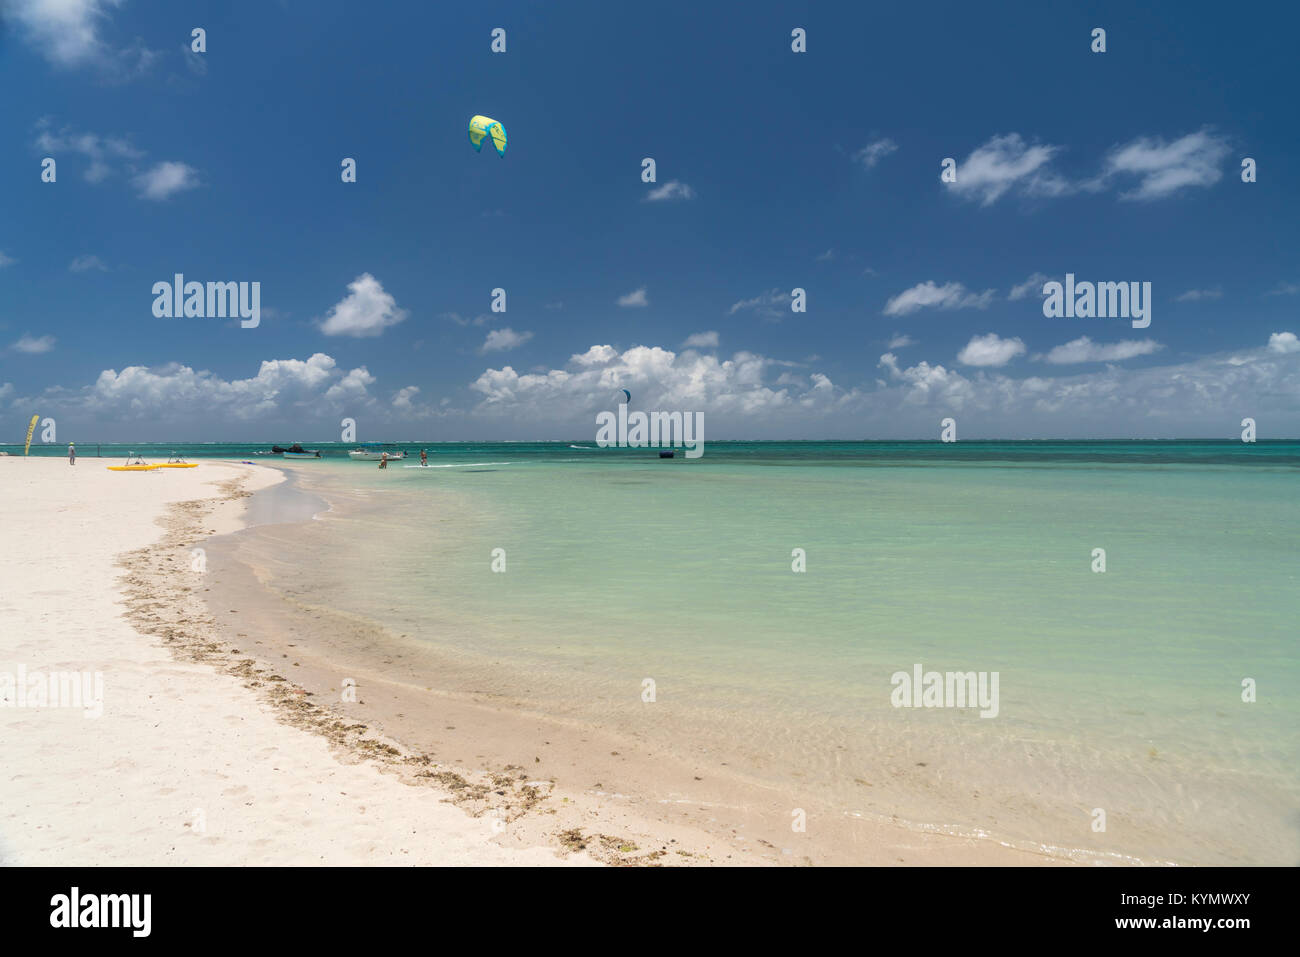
104, 153
990, 350
6, 260
595, 356
67, 33
1007, 163
772, 304
499, 340
701, 340
924, 384
351, 389
86, 263
282, 392
1084, 349
1165, 168
670, 190
747, 395
1283, 342
1284, 289
1195, 295
951, 295
33, 346
1033, 284
826, 256
874, 152
659, 378
402, 400
901, 341
166, 179
634, 298
367, 310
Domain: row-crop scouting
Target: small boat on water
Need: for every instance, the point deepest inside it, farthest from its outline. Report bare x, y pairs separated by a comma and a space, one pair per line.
374, 455
308, 454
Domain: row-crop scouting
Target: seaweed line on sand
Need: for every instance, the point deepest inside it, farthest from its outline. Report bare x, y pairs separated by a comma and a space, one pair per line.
161, 601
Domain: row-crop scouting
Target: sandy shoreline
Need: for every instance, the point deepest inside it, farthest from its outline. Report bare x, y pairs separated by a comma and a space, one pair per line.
187, 765
224, 739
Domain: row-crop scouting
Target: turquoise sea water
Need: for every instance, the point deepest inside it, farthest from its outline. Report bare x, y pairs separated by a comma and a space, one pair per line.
1119, 691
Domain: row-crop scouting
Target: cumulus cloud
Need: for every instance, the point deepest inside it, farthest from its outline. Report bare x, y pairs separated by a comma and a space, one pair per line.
33, 346
1283, 342
165, 179
1190, 398
701, 340
1084, 349
899, 341
659, 378
367, 310
990, 350
951, 295
1163, 168
87, 263
68, 34
874, 152
634, 299
772, 304
499, 340
283, 391
673, 189
595, 356
404, 398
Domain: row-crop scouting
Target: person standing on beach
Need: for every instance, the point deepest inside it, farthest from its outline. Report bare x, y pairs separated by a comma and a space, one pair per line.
72, 454
424, 457
383, 461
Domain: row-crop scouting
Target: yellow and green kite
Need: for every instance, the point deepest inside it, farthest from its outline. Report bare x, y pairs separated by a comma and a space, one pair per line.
481, 127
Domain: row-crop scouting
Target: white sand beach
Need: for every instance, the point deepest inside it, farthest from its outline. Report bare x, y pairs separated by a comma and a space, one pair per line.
186, 765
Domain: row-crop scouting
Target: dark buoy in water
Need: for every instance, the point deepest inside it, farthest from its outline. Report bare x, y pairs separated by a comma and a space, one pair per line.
667, 454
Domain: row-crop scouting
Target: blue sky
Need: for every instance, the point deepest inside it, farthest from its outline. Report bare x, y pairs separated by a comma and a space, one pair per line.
775, 170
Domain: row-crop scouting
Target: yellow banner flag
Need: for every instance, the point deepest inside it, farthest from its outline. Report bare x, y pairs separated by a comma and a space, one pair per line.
31, 427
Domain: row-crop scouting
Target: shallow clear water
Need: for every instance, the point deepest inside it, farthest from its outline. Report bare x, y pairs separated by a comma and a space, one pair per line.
1119, 691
